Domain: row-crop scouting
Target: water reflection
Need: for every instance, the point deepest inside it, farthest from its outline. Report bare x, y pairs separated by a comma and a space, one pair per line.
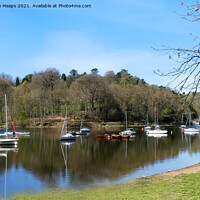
88, 161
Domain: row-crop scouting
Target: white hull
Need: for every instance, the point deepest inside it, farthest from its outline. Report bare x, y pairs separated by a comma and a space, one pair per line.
147, 128
17, 133
68, 136
157, 131
84, 130
3, 134
9, 141
156, 135
191, 130
128, 132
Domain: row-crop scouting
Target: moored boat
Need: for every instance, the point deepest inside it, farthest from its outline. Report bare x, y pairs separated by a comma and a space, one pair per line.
191, 130
128, 132
6, 140
66, 135
105, 136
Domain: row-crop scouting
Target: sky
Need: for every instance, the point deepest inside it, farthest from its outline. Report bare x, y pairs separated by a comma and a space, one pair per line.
111, 35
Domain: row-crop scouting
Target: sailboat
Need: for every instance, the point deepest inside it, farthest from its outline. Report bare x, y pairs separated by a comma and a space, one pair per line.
157, 132
66, 135
182, 125
83, 130
128, 132
147, 127
18, 133
6, 140
190, 131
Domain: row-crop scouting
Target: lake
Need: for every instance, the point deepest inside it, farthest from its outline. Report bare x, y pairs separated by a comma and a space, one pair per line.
41, 162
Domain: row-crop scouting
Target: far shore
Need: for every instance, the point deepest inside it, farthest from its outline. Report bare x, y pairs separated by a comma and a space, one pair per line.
58, 123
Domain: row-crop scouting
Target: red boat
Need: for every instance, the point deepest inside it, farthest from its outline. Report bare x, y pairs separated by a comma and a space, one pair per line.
105, 136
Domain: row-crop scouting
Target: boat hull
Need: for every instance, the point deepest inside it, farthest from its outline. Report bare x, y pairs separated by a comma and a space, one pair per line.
9, 141
157, 135
18, 133
191, 130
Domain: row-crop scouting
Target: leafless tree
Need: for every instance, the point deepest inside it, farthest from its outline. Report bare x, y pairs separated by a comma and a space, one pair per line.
187, 74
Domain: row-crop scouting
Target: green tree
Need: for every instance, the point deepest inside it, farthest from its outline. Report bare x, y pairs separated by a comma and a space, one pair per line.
17, 82
94, 71
63, 77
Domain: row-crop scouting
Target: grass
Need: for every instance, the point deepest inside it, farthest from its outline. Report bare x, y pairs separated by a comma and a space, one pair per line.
184, 186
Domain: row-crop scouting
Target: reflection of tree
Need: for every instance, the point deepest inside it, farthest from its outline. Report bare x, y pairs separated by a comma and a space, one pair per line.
94, 159
99, 159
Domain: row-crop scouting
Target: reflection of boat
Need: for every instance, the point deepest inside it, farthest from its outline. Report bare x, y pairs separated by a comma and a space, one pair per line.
67, 143
66, 135
8, 141
128, 132
4, 153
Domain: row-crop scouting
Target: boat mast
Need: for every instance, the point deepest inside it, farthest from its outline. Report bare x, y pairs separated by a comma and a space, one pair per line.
182, 119
65, 122
126, 118
6, 114
155, 115
190, 119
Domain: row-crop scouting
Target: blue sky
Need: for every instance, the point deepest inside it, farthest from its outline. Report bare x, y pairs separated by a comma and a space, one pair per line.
112, 35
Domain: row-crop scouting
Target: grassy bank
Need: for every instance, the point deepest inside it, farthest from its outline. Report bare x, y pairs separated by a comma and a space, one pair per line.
183, 186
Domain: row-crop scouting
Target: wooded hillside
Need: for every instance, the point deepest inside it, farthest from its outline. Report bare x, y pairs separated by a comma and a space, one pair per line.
89, 96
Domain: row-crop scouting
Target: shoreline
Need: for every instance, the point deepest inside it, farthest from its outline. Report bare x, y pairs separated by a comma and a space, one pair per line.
187, 170
158, 186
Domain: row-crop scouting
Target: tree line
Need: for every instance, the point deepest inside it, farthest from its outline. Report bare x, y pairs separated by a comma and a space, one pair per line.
46, 94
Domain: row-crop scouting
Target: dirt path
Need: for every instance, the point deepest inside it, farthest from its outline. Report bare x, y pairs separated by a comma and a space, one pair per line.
187, 170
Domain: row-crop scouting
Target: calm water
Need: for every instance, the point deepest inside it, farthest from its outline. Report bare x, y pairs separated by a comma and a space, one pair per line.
42, 162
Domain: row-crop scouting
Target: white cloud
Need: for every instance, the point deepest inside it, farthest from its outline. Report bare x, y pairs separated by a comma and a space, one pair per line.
68, 50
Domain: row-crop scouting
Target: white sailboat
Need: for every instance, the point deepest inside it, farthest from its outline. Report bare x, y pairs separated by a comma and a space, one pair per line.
6, 140
190, 131
66, 135
157, 132
128, 132
182, 125
18, 133
147, 127
83, 130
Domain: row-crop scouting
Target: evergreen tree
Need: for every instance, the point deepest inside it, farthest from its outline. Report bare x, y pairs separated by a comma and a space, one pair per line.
17, 82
